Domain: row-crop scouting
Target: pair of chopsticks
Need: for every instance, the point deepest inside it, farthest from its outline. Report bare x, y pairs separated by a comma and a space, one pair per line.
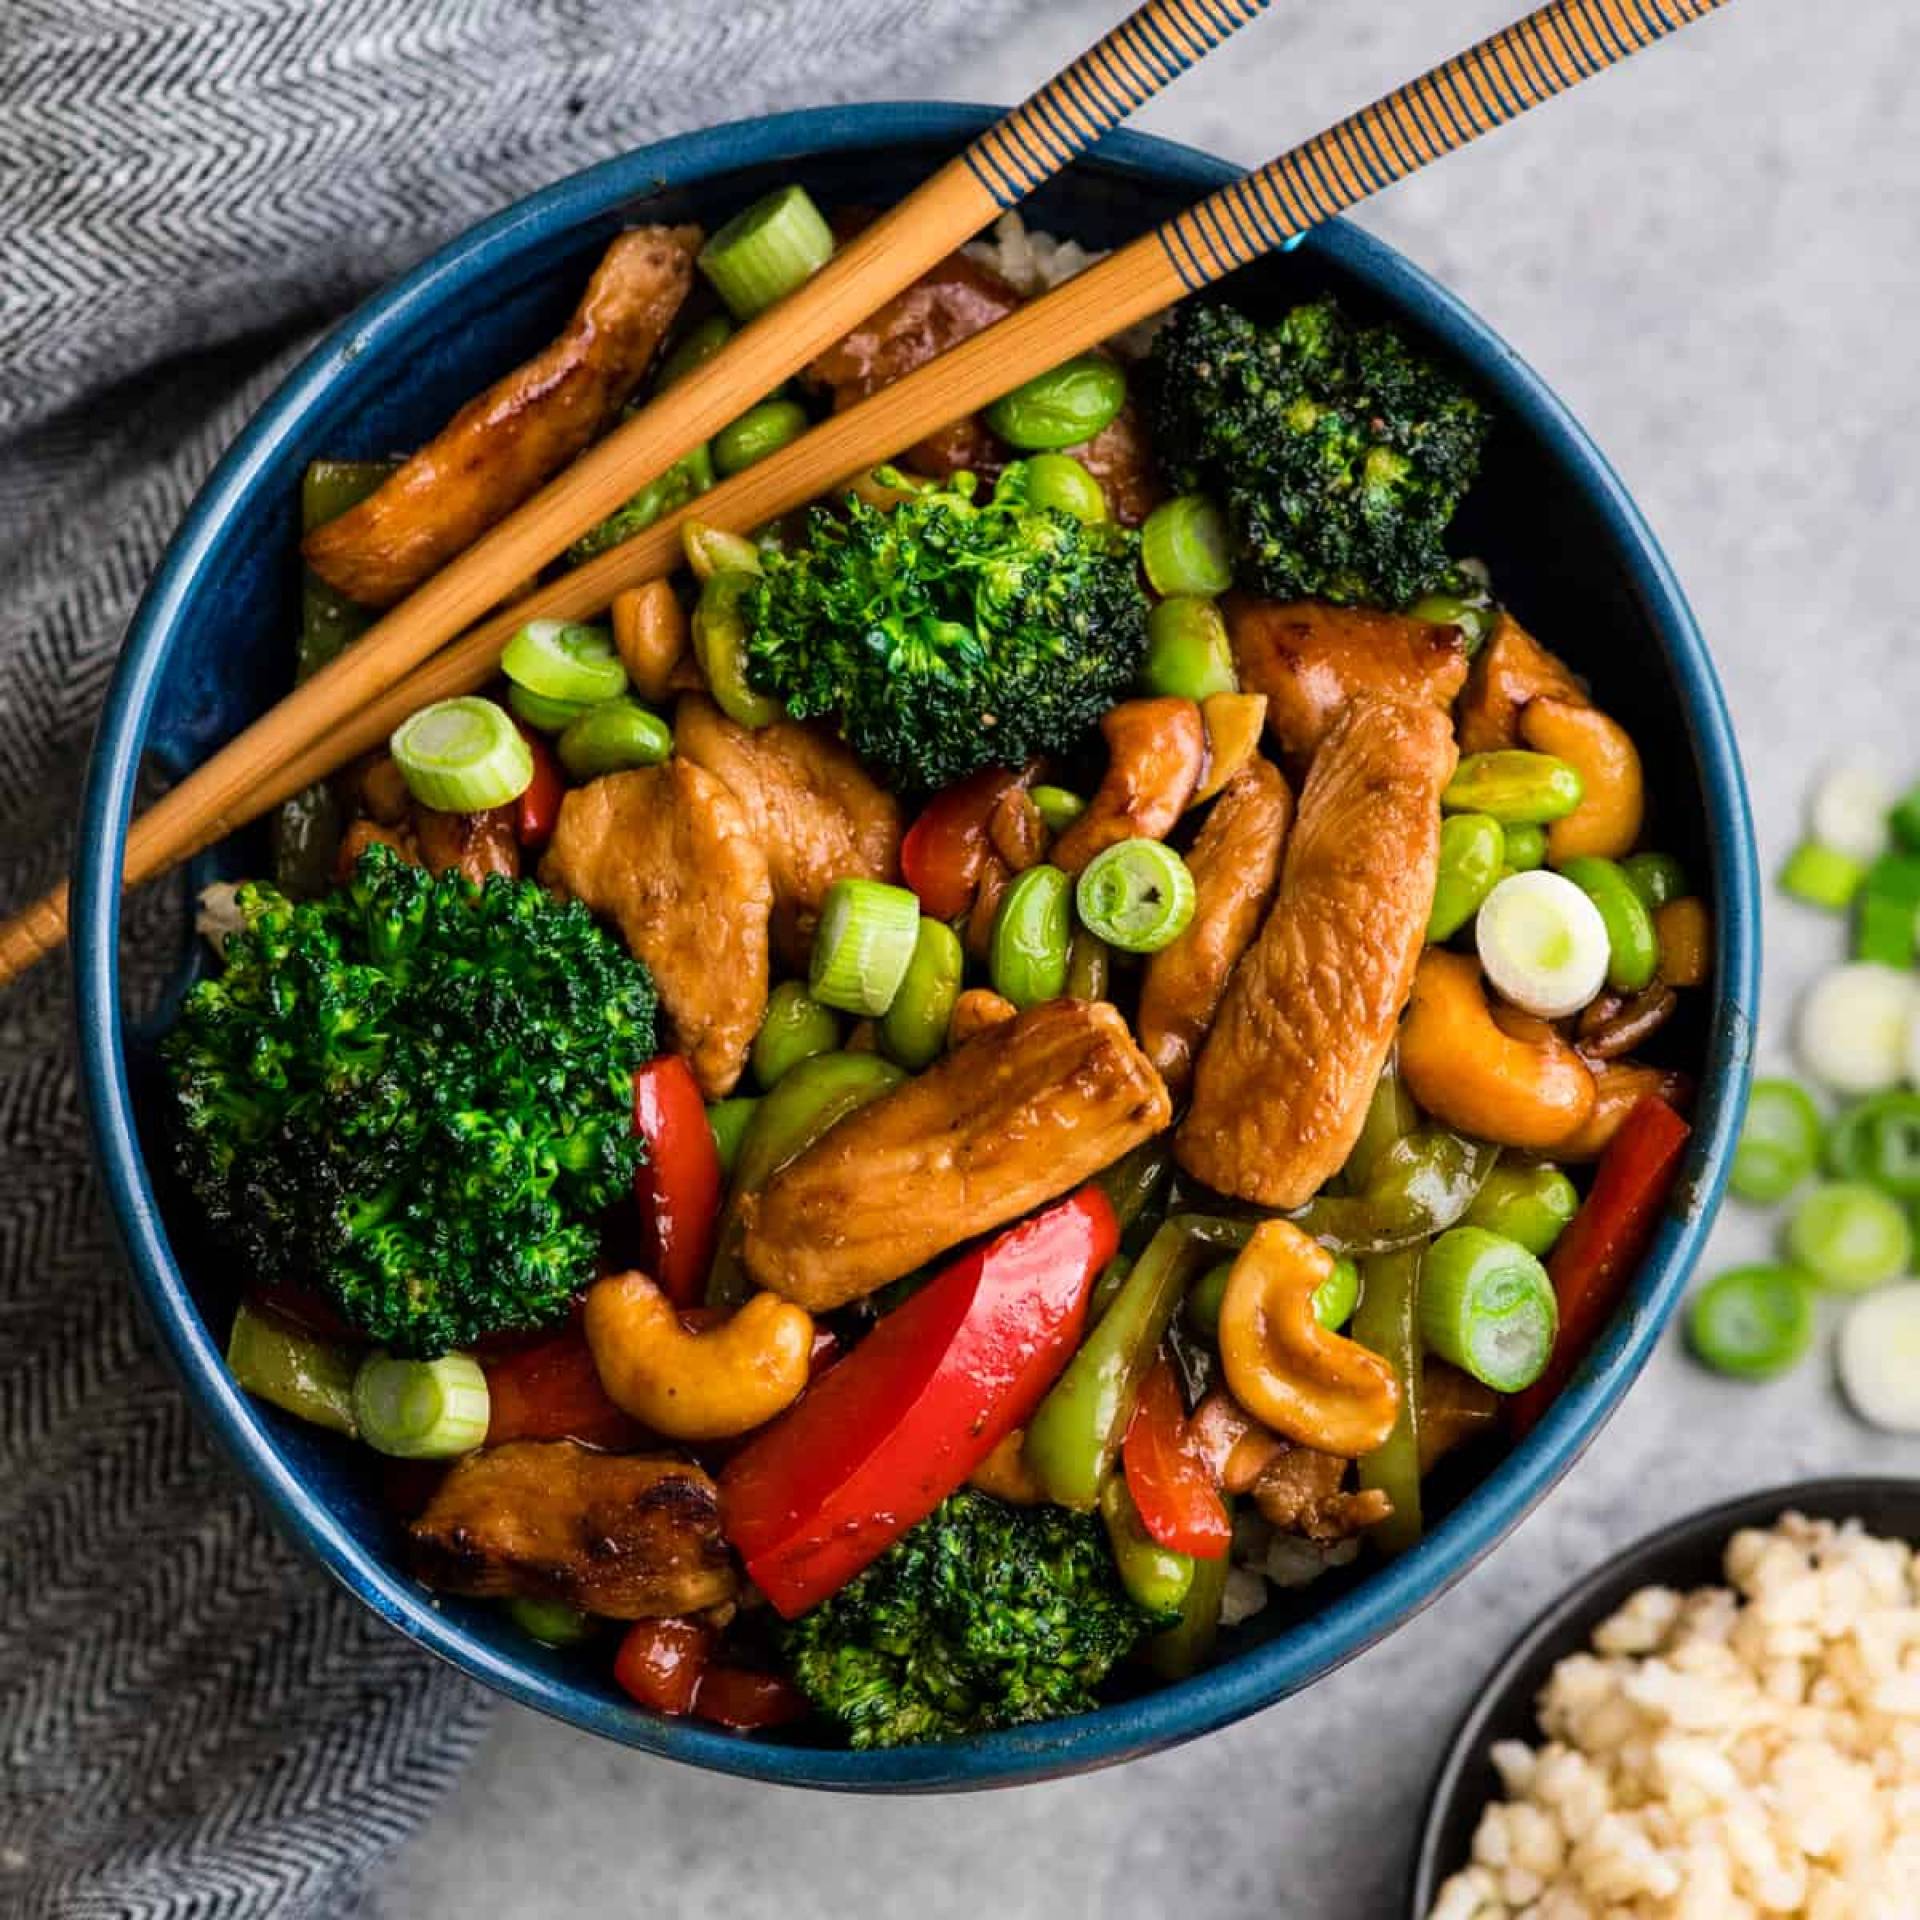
403, 662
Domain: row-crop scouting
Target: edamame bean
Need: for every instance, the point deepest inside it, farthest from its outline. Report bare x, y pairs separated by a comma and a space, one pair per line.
1031, 935
1472, 851
612, 736
1633, 948
1516, 787
1188, 654
720, 646
758, 432
913, 1030
1528, 1205
1059, 481
700, 345
1473, 621
1066, 405
1526, 848
1184, 547
1655, 877
794, 1027
1057, 807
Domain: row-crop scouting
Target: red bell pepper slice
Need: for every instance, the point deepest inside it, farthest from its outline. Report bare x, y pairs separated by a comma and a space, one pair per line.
746, 1700
879, 1440
679, 1187
945, 848
1596, 1255
1167, 1474
662, 1663
552, 1391
535, 812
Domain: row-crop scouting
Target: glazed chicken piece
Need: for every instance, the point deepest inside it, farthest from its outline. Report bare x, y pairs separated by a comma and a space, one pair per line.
628, 1536
503, 447
1302, 1491
1156, 753
816, 814
669, 855
1310, 659
1235, 861
950, 302
478, 845
1511, 669
1019, 1115
1284, 1078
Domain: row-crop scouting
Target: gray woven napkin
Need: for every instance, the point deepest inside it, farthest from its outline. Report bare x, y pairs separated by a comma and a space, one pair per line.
192, 1721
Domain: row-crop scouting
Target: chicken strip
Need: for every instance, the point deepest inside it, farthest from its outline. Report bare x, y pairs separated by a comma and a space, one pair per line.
669, 855
1156, 753
500, 449
1022, 1113
628, 1536
817, 815
1511, 669
1235, 862
1310, 659
1284, 1078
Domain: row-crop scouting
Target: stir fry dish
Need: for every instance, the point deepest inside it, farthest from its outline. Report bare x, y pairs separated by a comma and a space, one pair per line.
892, 1134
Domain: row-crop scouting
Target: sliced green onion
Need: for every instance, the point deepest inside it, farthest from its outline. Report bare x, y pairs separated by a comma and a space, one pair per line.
1188, 654
1057, 807
759, 431
914, 1029
1819, 876
1752, 1322
1136, 895
864, 945
544, 715
297, 1371
1779, 1143
613, 736
1879, 1142
1063, 407
729, 1120
710, 550
462, 756
1856, 1025
1487, 1306
1655, 877
720, 646
1058, 481
700, 345
1850, 1236
1032, 938
1850, 808
1879, 1358
1633, 949
552, 1622
564, 660
421, 1409
767, 250
1542, 944
794, 1027
1184, 547
1905, 819
1529, 1205
1526, 846
1886, 931
1335, 1298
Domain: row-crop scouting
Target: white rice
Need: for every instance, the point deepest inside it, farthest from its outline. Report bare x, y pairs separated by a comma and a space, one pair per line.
1032, 262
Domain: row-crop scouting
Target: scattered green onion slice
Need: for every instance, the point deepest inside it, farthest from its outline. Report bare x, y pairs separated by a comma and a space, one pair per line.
297, 1371
1752, 1322
1850, 1236
767, 250
1057, 806
1487, 1306
462, 756
1879, 1357
1779, 1143
1905, 819
613, 736
1032, 939
864, 945
1136, 895
1886, 931
1335, 1298
1856, 1026
421, 1409
544, 715
552, 1622
1819, 876
1879, 1142
564, 660
1850, 808
1542, 944
1184, 547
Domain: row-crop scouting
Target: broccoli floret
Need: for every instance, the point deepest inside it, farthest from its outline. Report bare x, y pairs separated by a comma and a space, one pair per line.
985, 1615
945, 636
414, 1095
1338, 452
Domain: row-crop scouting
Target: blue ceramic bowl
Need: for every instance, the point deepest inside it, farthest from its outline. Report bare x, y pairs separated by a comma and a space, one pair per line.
209, 649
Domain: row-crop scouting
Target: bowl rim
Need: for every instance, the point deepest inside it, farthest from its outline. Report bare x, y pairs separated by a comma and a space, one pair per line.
1250, 1681
1603, 1588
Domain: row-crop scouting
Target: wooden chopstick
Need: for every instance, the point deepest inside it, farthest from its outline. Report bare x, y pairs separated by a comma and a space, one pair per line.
338, 713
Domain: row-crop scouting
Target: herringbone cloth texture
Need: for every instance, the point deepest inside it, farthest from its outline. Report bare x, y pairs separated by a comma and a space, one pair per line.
192, 1721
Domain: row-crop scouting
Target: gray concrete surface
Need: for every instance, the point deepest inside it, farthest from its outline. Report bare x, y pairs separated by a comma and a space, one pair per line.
1713, 255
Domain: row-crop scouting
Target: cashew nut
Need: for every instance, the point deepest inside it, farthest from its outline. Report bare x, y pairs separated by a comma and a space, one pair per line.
1619, 1087
1316, 1388
974, 1012
1684, 929
1156, 751
1607, 820
1530, 1091
650, 633
710, 1385
1233, 722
